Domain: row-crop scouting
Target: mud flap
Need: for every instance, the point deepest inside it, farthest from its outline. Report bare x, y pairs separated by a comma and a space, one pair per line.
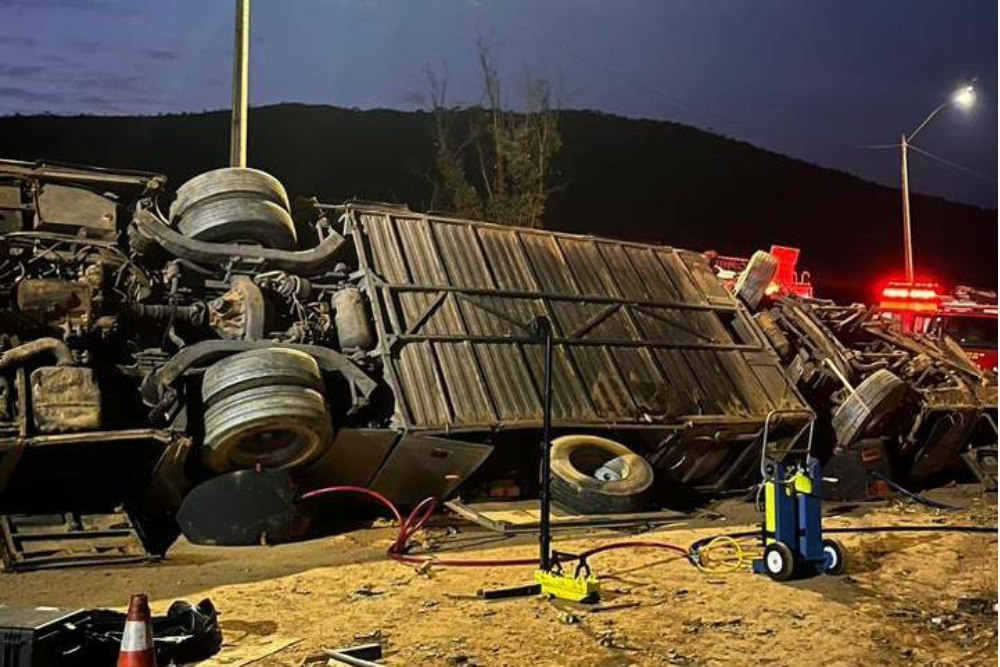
243, 508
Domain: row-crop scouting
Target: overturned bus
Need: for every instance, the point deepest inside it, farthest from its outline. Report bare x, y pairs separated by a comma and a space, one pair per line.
145, 350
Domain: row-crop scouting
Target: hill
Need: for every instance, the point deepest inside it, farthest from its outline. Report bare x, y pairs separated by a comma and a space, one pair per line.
636, 179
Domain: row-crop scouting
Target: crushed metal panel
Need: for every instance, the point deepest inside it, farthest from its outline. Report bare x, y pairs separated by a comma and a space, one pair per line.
772, 380
68, 209
627, 279
462, 256
571, 401
353, 458
549, 264
683, 387
677, 272
511, 384
424, 466
418, 245
466, 389
10, 209
653, 276
386, 255
651, 392
510, 265
644, 334
588, 267
604, 384
41, 541
500, 316
704, 277
739, 372
421, 387
65, 399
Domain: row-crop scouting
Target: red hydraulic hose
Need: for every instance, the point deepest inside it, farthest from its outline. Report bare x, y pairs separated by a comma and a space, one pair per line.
420, 514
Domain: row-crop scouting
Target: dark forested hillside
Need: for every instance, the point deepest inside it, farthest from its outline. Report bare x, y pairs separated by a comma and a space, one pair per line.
637, 179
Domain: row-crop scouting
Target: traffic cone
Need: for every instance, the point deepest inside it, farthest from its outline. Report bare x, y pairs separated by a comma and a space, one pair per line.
137, 640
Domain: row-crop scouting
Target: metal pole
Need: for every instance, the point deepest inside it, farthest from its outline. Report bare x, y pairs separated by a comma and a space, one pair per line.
241, 78
907, 238
544, 328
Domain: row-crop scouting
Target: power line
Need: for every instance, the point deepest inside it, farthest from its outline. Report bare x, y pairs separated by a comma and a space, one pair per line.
954, 165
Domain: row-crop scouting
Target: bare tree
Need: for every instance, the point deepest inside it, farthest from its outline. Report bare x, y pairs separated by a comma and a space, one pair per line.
492, 161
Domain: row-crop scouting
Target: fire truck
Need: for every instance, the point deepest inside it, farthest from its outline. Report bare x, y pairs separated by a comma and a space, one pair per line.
967, 315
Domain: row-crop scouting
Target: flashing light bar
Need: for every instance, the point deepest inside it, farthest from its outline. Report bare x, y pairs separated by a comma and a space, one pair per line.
913, 297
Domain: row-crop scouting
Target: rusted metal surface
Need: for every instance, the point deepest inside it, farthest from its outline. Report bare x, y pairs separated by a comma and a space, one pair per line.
65, 399
73, 539
948, 405
646, 335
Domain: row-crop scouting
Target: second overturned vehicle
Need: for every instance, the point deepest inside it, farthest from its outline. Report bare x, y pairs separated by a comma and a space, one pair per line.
144, 350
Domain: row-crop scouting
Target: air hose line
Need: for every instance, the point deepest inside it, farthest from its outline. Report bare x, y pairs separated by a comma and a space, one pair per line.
422, 512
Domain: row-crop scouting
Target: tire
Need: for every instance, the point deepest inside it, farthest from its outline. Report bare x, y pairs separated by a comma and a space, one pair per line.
834, 557
592, 475
873, 402
276, 426
239, 219
259, 368
227, 182
779, 561
753, 281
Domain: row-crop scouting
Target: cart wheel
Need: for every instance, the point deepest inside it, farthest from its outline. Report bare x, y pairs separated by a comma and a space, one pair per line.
779, 561
834, 557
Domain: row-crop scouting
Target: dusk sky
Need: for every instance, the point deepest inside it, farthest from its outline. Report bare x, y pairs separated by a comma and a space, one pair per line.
814, 79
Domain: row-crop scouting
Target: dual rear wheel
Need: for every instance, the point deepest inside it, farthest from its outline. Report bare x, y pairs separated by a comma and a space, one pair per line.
264, 408
235, 205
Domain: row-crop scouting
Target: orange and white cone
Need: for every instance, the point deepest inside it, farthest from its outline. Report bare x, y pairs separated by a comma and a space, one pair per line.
137, 640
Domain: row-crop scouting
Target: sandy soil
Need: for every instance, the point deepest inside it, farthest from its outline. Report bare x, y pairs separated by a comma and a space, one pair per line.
907, 599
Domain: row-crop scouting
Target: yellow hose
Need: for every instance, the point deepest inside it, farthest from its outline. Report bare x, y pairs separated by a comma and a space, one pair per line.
731, 556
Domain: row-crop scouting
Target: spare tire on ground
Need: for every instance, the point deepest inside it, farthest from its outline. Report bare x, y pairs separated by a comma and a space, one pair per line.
592, 475
264, 407
869, 407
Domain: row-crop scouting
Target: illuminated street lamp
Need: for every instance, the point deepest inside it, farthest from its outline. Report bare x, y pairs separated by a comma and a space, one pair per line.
963, 98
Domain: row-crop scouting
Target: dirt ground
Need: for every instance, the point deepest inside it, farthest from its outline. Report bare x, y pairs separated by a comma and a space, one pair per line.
907, 599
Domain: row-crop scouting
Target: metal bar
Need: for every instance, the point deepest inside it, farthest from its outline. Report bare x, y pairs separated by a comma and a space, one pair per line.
93, 436
431, 308
476, 363
578, 342
402, 210
577, 376
686, 422
241, 82
545, 472
550, 296
595, 320
369, 278
69, 173
446, 400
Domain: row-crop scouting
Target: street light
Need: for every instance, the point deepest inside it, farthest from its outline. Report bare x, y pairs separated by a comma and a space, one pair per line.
963, 98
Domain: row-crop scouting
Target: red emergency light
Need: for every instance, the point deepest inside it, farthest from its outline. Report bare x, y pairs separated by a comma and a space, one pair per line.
898, 295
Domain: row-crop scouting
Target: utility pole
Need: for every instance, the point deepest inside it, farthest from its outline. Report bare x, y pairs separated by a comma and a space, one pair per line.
241, 80
963, 98
907, 238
